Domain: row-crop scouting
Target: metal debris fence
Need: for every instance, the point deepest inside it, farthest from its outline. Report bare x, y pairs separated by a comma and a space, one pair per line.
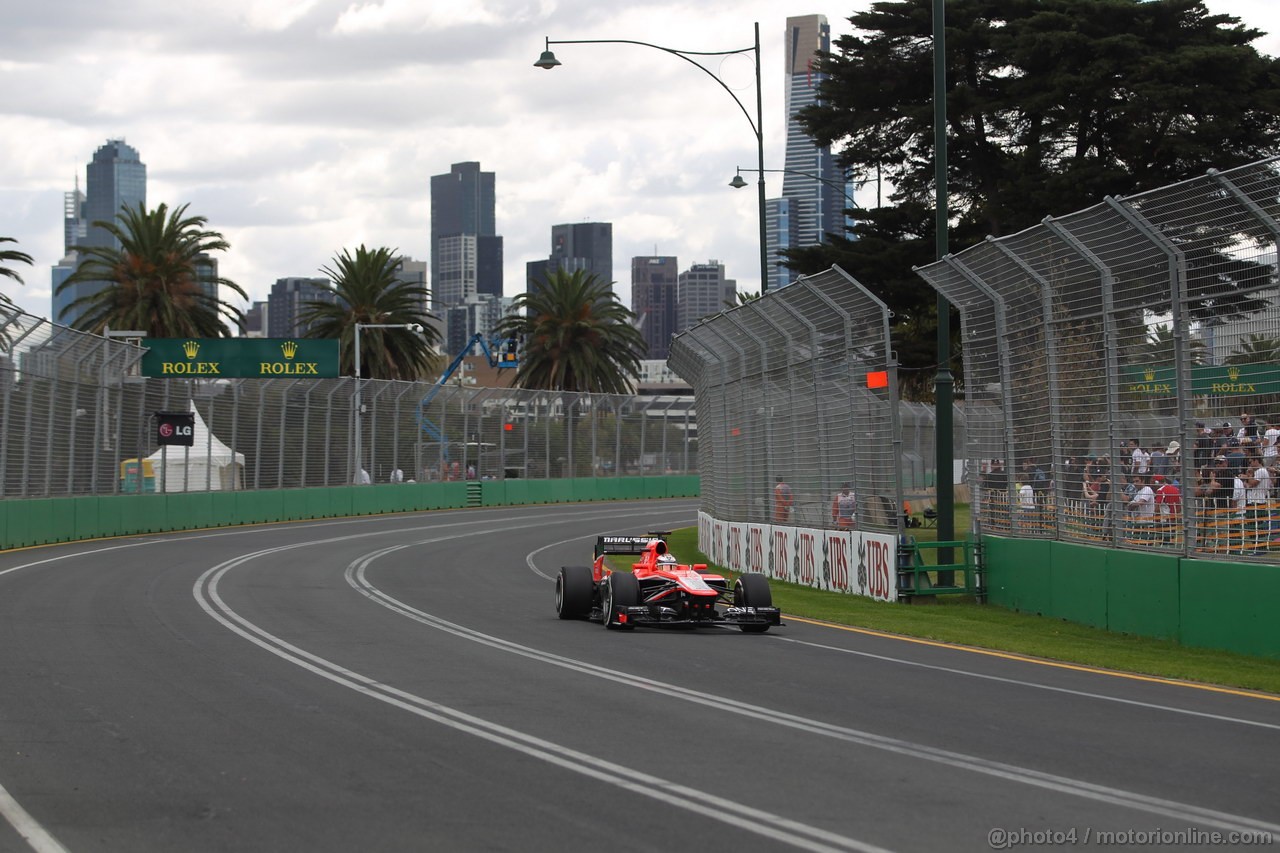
1148, 322
800, 385
75, 418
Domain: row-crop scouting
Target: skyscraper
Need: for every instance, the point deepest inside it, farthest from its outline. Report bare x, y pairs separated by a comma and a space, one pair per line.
702, 290
583, 246
466, 251
653, 299
116, 177
815, 200
286, 301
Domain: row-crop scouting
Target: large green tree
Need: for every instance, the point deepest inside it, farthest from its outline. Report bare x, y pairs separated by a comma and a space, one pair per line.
367, 291
576, 336
1051, 106
7, 257
153, 280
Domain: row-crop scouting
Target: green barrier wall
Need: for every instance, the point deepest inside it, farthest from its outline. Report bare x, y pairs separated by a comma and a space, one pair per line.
1201, 603
28, 522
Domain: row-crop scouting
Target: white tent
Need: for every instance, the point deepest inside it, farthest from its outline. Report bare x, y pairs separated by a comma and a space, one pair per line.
208, 465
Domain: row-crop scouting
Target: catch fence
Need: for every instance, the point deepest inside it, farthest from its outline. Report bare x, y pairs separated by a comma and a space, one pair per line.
1140, 336
76, 418
799, 387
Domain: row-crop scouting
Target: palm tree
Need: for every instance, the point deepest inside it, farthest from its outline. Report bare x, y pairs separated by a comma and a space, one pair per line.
1255, 349
153, 283
9, 256
368, 293
741, 298
577, 336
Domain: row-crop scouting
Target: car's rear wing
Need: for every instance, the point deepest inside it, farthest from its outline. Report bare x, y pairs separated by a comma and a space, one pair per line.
627, 544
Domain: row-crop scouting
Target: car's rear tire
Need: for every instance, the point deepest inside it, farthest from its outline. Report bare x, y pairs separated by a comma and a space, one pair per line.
574, 588
620, 589
752, 590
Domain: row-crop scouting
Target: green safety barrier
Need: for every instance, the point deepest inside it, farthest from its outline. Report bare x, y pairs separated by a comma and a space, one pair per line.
1195, 602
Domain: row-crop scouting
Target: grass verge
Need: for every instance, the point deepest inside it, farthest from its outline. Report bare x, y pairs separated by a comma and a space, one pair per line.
952, 620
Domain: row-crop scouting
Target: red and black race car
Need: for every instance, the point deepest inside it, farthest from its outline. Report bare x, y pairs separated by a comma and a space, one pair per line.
661, 592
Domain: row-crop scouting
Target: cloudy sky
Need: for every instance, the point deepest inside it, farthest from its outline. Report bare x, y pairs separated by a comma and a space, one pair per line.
300, 127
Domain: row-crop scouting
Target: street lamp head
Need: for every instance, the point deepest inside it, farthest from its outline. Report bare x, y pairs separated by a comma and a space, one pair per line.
737, 183
547, 60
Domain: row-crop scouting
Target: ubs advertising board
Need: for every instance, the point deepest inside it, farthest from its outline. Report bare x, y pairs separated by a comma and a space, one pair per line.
240, 358
851, 561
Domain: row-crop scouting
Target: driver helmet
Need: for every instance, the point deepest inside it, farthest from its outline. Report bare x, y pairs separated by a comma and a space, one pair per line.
667, 560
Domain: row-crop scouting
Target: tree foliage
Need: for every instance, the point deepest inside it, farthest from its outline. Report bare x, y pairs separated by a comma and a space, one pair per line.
576, 336
1051, 105
152, 278
367, 292
7, 257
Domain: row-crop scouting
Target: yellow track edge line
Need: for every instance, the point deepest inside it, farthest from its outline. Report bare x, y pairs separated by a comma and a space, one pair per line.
1131, 676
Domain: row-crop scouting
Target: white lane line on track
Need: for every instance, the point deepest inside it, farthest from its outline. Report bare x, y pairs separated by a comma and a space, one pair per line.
1113, 796
23, 823
1035, 685
33, 833
699, 802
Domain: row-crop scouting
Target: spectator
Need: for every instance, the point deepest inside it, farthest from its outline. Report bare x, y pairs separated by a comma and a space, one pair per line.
1168, 497
1143, 503
1139, 459
1159, 462
844, 507
397, 476
471, 471
1173, 459
1257, 499
1071, 475
1248, 429
1270, 446
783, 501
1204, 445
1034, 474
1225, 433
1026, 498
1235, 457
362, 478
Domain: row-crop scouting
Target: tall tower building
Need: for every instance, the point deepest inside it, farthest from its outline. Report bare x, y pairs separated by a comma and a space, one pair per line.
703, 290
583, 246
287, 300
75, 227
116, 177
813, 187
466, 251
653, 299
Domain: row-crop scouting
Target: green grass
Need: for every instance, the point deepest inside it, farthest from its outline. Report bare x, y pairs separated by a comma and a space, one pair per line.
952, 619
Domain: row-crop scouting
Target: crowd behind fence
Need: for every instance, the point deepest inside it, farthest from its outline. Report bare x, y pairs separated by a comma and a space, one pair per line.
796, 397
1122, 370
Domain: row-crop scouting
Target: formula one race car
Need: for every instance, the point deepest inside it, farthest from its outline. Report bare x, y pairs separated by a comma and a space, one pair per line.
660, 591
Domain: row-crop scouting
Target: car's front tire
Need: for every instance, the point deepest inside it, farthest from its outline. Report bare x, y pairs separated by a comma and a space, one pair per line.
574, 589
752, 590
620, 589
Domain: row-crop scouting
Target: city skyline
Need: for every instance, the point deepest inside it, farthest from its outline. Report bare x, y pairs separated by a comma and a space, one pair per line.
313, 126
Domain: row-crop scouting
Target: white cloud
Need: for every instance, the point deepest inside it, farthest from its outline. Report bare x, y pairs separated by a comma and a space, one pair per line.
301, 127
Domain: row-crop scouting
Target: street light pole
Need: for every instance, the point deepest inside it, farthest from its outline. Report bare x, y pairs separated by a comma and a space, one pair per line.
548, 61
944, 384
413, 327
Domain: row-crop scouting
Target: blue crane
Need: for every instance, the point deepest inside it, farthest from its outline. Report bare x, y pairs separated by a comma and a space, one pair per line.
501, 353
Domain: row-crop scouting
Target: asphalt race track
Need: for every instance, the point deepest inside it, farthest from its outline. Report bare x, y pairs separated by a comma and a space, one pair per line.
402, 683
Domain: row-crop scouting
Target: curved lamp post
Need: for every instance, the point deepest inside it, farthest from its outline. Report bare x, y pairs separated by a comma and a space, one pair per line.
413, 327
738, 183
548, 61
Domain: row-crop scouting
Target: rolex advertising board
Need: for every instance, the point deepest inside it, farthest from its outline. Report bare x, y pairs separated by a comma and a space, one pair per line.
240, 358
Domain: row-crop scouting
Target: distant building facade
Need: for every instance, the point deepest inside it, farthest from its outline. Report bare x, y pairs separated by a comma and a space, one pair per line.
115, 177
814, 189
703, 290
583, 246
286, 301
466, 251
654, 280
